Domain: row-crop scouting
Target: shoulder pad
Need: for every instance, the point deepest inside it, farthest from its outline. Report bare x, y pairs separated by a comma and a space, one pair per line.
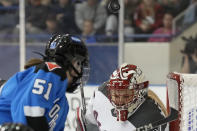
103, 88
52, 67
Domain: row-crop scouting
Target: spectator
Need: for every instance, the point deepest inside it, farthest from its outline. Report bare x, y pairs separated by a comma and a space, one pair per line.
52, 25
130, 7
175, 6
191, 13
189, 63
8, 16
91, 10
148, 17
47, 2
112, 20
111, 25
166, 29
36, 15
88, 32
65, 16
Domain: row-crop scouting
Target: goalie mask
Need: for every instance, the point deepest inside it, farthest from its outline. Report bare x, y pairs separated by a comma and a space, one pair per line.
127, 90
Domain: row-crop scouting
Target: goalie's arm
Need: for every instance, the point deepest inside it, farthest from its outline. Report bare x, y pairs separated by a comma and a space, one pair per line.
84, 124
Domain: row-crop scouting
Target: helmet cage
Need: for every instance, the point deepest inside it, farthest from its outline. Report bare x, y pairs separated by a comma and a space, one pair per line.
134, 96
132, 91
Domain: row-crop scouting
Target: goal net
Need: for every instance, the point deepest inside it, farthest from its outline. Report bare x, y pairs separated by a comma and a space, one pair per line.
181, 95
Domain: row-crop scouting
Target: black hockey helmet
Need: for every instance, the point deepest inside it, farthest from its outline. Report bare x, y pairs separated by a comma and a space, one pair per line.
63, 49
14, 127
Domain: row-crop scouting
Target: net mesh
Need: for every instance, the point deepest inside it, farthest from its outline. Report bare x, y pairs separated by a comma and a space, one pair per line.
182, 89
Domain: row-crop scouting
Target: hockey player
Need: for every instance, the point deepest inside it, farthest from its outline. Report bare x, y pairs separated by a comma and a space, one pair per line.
123, 103
36, 96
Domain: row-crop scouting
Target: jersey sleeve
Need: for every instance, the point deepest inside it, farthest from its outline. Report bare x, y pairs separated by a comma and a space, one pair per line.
86, 122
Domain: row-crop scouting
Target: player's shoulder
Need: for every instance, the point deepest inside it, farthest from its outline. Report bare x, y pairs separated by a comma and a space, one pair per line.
47, 67
100, 91
103, 88
51, 67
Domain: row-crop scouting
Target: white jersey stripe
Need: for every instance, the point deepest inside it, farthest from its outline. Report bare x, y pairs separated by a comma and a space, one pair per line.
34, 111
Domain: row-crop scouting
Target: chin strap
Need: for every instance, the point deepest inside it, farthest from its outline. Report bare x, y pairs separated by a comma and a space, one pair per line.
73, 86
79, 74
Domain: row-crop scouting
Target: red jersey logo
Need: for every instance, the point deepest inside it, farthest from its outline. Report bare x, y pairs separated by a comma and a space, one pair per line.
51, 66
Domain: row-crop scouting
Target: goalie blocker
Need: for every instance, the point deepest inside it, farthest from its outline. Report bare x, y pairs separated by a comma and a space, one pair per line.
123, 103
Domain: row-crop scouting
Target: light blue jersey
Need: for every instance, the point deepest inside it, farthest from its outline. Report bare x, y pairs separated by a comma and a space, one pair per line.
36, 92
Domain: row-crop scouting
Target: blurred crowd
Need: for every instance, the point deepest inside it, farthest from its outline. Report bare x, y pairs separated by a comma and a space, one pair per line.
91, 20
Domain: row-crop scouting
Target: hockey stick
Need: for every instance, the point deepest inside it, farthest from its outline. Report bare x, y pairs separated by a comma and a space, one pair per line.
173, 116
82, 99
83, 80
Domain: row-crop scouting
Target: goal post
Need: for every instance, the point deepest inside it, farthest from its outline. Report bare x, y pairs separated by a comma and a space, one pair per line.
181, 95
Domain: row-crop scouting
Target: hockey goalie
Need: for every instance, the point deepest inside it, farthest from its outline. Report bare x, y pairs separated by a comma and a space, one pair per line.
124, 103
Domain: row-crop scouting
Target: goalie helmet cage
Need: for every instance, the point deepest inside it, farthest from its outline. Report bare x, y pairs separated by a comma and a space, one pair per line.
181, 95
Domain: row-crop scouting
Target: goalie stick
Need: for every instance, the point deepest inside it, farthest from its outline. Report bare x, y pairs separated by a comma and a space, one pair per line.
173, 116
